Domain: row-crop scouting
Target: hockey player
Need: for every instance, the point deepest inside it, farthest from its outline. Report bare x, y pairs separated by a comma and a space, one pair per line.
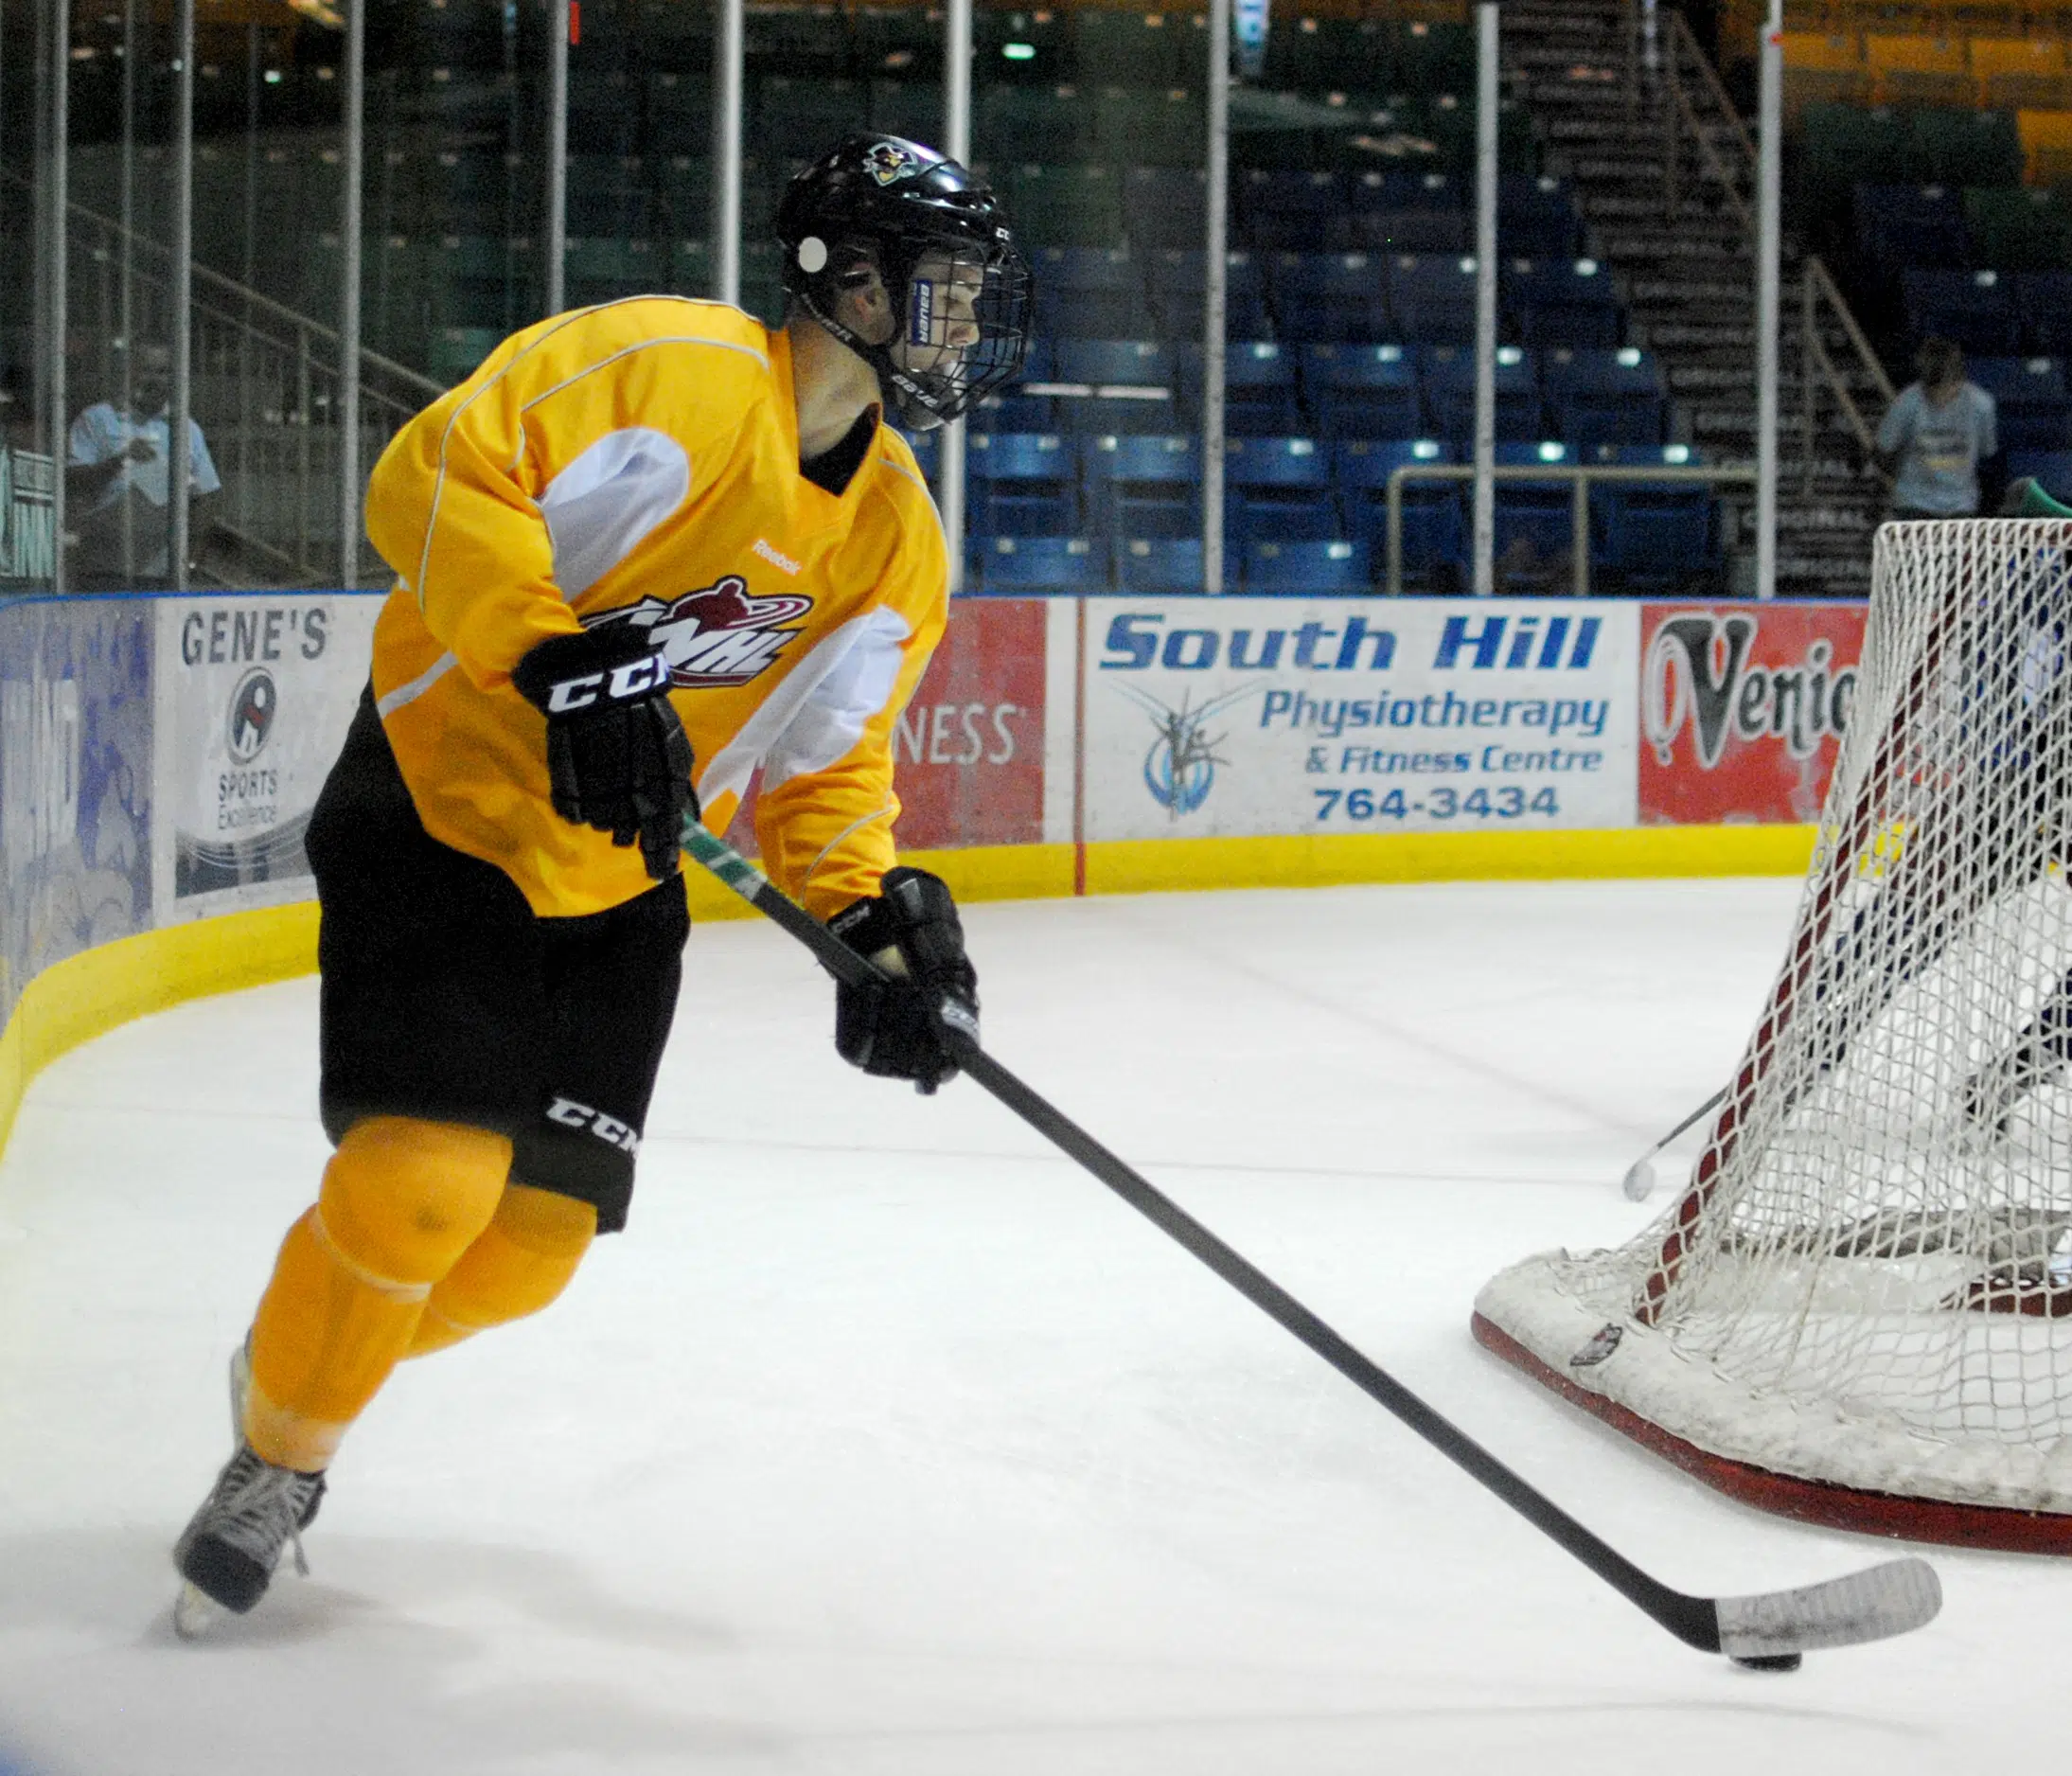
645, 545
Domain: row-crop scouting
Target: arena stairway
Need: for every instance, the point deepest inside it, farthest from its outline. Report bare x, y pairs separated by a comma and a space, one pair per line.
1690, 276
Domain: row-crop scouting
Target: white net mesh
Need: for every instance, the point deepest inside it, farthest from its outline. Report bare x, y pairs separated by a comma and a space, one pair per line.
1869, 1280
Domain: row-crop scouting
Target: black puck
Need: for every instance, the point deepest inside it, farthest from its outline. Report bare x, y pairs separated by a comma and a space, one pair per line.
1771, 1661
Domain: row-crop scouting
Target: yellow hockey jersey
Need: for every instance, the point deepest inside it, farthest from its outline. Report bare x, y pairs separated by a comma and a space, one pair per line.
639, 462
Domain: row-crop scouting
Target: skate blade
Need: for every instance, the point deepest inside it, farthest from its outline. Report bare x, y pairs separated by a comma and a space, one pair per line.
194, 1612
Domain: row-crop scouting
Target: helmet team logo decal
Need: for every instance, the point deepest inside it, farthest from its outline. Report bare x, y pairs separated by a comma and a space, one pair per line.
888, 163
252, 707
717, 636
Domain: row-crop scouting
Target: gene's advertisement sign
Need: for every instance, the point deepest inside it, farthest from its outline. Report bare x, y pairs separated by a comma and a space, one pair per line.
256, 691
1238, 717
1742, 709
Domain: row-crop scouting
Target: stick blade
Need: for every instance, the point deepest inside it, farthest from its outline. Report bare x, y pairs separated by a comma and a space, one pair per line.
1873, 1605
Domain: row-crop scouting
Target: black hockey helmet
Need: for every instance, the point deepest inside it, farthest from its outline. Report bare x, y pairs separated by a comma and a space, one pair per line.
940, 242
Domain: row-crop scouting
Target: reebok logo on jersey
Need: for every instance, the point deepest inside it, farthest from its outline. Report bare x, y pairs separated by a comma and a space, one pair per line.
716, 637
608, 1129
774, 557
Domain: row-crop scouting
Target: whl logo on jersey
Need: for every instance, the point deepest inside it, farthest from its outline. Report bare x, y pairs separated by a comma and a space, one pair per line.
716, 637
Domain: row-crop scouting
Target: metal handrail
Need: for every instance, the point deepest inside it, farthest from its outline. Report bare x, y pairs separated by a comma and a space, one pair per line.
1682, 45
1818, 288
1583, 475
1817, 285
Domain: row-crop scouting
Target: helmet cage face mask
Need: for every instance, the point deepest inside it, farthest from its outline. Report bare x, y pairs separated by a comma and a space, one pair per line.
960, 316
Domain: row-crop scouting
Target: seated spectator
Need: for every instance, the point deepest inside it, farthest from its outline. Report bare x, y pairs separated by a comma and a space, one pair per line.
1939, 434
117, 479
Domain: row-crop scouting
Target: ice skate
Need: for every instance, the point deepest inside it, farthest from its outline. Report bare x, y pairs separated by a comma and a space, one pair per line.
1991, 1093
228, 1553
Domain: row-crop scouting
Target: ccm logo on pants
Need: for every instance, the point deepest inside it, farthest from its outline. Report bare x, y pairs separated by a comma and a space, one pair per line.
571, 1115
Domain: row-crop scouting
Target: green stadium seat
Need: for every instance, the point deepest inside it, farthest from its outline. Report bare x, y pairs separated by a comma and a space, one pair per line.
1065, 206
454, 353
1842, 146
1142, 49
1330, 55
2020, 228
1150, 129
910, 108
1024, 48
689, 271
1016, 124
901, 42
1434, 58
1967, 147
801, 119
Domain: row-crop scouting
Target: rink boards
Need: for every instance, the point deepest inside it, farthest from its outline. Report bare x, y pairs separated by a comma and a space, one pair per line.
160, 755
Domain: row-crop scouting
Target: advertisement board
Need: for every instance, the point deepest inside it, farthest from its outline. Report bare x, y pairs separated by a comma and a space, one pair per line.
1239, 716
1742, 709
74, 781
255, 693
968, 750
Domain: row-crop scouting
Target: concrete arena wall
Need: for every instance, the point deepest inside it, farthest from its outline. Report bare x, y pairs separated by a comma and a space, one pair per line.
159, 757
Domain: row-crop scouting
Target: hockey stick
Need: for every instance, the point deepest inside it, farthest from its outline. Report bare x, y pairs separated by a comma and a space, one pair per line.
1766, 1631
1640, 1178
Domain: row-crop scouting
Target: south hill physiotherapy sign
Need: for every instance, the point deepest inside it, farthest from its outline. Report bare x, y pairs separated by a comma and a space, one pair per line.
1256, 716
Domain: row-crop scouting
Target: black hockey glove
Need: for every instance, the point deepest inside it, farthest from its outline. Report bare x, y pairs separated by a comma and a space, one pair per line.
914, 1025
617, 756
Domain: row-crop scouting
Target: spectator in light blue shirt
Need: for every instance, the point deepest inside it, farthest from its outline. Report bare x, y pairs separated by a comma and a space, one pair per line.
118, 464
1938, 435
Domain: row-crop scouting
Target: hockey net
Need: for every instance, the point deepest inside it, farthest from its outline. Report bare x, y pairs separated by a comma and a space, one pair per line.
1859, 1311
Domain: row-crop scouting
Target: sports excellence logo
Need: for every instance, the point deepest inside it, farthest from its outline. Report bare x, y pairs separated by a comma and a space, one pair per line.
252, 708
719, 636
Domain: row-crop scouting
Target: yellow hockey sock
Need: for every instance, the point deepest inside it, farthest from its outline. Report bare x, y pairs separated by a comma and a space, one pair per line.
401, 1200
523, 1259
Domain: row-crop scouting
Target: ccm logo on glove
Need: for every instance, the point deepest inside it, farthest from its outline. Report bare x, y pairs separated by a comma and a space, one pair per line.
631, 683
617, 756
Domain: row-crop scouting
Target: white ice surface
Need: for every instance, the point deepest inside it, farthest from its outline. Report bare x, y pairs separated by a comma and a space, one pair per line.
886, 1443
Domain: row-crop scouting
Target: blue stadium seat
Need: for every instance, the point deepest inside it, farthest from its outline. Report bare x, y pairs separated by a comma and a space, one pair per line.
1325, 566
1447, 374
1536, 217
2052, 468
1432, 510
1535, 520
1392, 231
1289, 209
1118, 409
1562, 302
1911, 225
1142, 485
1178, 280
1278, 489
1088, 293
1122, 362
1361, 391
2035, 413
1604, 396
1330, 297
1041, 564
1432, 295
1144, 564
2044, 301
1016, 411
1401, 189
1653, 535
1164, 208
1977, 309
1259, 387
1023, 484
